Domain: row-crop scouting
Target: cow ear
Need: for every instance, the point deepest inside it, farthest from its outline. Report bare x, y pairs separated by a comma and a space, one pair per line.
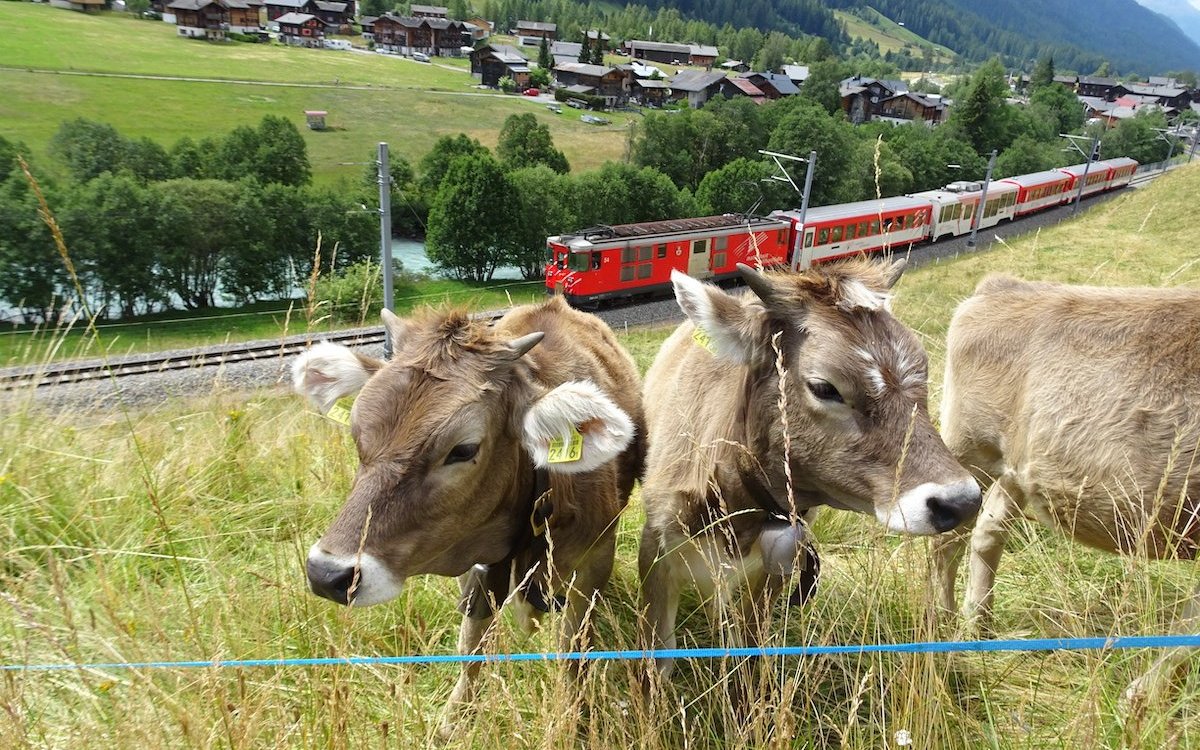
732, 327
395, 326
575, 412
327, 372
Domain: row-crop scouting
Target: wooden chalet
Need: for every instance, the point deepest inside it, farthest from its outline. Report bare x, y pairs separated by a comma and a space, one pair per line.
912, 107
773, 85
212, 19
301, 30
862, 97
734, 87
84, 6
595, 80
650, 91
531, 33
696, 86
428, 11
405, 35
492, 62
673, 54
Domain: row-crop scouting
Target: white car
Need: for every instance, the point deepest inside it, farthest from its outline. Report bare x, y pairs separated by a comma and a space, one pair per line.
420, 57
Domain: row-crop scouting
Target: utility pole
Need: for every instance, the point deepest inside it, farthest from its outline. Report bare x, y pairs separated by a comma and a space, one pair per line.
1092, 154
385, 238
1171, 138
808, 178
978, 216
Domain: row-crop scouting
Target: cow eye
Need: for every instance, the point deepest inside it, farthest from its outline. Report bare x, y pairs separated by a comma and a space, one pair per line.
462, 452
825, 391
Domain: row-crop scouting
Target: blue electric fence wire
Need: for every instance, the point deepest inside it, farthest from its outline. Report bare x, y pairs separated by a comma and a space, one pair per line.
927, 647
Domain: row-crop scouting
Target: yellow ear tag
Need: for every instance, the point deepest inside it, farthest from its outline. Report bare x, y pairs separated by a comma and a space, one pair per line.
561, 453
702, 340
340, 412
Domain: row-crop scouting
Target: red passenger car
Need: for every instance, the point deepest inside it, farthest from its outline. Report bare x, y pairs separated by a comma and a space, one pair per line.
626, 260
1040, 190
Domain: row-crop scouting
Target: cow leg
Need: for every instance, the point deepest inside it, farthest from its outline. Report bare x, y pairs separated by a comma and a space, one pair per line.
660, 598
1002, 503
477, 618
1163, 673
947, 554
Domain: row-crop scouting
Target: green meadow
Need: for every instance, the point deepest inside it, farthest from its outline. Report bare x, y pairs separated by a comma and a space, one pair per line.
408, 104
179, 532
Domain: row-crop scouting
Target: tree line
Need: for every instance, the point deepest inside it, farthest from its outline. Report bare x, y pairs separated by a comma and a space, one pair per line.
148, 228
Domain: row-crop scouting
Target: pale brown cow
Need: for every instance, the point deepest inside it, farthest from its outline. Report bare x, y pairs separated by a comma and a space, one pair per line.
858, 433
453, 439
1081, 405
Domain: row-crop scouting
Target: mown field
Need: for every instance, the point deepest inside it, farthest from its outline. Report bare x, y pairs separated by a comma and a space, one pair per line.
408, 104
180, 533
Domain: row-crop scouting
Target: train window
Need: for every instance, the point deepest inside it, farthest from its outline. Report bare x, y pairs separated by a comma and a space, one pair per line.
645, 253
808, 238
781, 236
887, 226
596, 260
851, 231
662, 251
699, 246
644, 270
875, 227
720, 243
823, 237
837, 235
862, 229
628, 254
718, 260
627, 273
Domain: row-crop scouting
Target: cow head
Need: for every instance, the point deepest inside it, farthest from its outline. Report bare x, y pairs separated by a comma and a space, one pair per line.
448, 434
858, 430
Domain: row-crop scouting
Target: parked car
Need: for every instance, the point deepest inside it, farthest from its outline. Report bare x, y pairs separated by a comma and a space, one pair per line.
531, 92
594, 120
420, 57
575, 104
554, 108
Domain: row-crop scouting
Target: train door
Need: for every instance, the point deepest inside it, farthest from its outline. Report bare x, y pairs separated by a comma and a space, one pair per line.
806, 254
698, 262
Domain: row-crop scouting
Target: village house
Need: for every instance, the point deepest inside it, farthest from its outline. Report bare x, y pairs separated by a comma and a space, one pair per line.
734, 66
564, 52
652, 92
673, 54
733, 87
85, 6
335, 14
213, 19
797, 74
428, 11
531, 33
301, 30
773, 85
861, 97
405, 35
594, 80
479, 28
909, 106
696, 86
492, 62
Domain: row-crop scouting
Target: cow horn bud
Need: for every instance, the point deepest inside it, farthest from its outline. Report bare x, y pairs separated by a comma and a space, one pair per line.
757, 282
522, 345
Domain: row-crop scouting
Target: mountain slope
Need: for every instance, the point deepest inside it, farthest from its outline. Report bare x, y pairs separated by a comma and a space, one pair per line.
1185, 15
1079, 33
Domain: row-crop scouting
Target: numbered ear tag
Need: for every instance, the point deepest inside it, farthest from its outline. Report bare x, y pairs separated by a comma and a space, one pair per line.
340, 412
565, 453
702, 340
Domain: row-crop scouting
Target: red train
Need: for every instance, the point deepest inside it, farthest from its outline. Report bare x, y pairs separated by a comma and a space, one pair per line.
627, 260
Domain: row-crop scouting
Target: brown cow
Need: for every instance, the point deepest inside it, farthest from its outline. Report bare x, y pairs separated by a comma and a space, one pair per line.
857, 432
455, 475
1082, 405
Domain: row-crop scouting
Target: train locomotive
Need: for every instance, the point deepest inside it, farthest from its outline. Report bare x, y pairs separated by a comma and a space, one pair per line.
606, 263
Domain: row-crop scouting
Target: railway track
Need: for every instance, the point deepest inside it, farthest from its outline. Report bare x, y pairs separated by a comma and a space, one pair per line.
95, 370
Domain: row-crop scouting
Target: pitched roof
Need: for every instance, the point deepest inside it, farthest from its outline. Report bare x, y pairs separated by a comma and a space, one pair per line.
681, 49
745, 86
652, 83
536, 26
584, 69
796, 72
781, 83
436, 9
696, 80
505, 53
558, 48
294, 18
331, 7
702, 50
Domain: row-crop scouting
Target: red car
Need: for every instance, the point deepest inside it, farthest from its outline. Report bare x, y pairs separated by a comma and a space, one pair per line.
531, 92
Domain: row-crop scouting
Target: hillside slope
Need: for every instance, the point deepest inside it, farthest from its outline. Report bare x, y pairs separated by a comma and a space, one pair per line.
1129, 36
1184, 14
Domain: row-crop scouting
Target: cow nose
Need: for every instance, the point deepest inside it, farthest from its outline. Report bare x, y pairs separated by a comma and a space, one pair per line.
330, 579
952, 504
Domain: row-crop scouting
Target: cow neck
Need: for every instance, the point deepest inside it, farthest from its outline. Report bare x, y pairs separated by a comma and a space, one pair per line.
490, 584
752, 465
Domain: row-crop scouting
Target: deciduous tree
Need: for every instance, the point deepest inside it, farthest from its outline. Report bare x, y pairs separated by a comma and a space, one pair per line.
474, 219
524, 142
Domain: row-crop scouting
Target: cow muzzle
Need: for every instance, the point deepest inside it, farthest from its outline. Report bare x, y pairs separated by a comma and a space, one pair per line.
933, 508
358, 580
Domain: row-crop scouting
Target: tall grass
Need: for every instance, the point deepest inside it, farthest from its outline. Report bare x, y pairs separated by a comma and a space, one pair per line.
179, 532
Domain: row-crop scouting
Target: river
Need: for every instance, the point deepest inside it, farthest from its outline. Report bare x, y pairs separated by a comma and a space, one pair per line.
411, 253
